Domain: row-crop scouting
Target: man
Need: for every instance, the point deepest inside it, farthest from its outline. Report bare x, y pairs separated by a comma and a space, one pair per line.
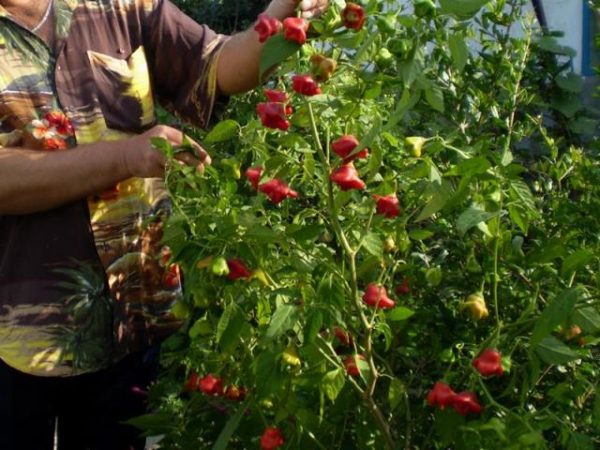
85, 285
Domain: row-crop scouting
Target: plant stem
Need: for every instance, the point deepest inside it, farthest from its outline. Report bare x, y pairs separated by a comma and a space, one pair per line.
350, 255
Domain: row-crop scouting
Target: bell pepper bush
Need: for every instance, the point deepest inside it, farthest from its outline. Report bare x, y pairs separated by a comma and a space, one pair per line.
394, 268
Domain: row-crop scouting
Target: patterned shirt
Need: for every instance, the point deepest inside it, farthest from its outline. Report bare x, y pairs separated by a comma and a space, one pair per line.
84, 284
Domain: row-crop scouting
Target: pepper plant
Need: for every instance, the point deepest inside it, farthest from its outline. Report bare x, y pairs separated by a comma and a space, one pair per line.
393, 247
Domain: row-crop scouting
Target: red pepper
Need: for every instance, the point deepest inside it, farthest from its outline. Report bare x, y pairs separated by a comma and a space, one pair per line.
351, 365
294, 29
441, 395
353, 16
192, 382
489, 363
346, 177
388, 205
171, 278
60, 121
345, 145
403, 288
277, 190
343, 336
305, 85
55, 144
278, 96
273, 115
253, 176
465, 403
237, 270
376, 296
271, 439
266, 27
211, 385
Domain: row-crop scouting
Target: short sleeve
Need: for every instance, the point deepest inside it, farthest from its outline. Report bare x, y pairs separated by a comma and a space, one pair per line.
182, 58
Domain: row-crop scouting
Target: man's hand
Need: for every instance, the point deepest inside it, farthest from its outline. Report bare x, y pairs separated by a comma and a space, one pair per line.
140, 159
286, 8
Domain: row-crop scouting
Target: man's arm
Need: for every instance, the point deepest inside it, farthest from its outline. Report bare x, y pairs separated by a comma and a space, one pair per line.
34, 180
238, 66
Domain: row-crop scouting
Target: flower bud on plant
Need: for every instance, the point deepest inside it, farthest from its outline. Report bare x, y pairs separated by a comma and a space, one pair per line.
277, 190
266, 27
345, 145
353, 16
475, 305
388, 205
346, 177
305, 85
376, 296
351, 365
489, 363
219, 267
465, 403
440, 396
415, 144
253, 175
294, 29
271, 439
273, 115
211, 385
237, 270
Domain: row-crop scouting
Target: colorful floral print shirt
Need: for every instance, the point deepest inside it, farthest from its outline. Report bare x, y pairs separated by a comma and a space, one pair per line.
85, 284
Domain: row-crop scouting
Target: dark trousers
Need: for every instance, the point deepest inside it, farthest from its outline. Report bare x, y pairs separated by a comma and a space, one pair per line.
86, 409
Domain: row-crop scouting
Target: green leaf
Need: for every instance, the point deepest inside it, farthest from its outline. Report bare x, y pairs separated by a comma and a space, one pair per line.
276, 50
229, 428
223, 131
463, 9
153, 424
519, 218
547, 252
470, 167
333, 383
553, 351
400, 313
579, 441
555, 313
441, 195
435, 98
570, 82
314, 322
396, 393
459, 51
551, 45
596, 411
372, 243
472, 217
230, 326
202, 327
575, 261
420, 235
520, 193
284, 319
588, 319
331, 292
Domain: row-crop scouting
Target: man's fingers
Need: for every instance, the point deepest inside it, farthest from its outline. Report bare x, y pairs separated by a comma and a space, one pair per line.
313, 8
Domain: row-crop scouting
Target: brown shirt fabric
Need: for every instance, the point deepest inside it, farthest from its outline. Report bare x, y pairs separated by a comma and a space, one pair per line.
84, 284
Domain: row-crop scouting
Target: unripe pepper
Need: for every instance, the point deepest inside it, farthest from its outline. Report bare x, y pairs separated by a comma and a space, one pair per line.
219, 267
424, 8
376, 296
475, 305
322, 67
290, 357
346, 177
415, 144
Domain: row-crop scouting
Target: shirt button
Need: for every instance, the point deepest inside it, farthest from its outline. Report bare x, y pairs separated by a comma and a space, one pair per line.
120, 51
58, 67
